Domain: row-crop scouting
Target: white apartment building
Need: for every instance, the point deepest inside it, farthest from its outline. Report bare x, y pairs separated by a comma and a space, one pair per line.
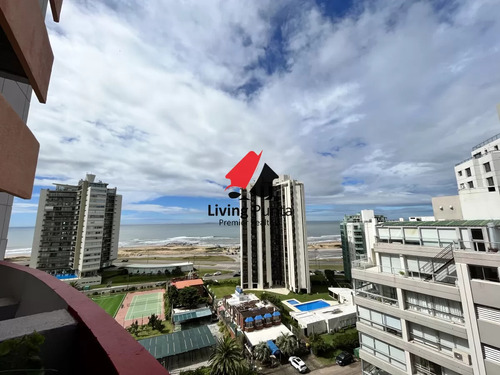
357, 234
478, 183
77, 229
429, 301
273, 237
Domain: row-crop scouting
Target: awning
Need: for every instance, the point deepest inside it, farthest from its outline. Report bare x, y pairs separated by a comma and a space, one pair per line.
272, 346
258, 317
276, 313
248, 320
267, 316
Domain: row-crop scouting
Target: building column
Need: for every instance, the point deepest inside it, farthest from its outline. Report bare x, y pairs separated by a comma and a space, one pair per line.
6, 201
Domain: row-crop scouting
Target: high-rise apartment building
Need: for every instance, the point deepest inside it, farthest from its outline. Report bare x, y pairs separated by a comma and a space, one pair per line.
25, 66
273, 236
478, 182
357, 233
77, 229
428, 301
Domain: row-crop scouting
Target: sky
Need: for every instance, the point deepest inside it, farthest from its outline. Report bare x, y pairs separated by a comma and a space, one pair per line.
369, 103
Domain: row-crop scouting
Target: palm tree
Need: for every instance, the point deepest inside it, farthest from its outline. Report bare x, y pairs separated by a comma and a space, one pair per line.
262, 352
288, 344
227, 358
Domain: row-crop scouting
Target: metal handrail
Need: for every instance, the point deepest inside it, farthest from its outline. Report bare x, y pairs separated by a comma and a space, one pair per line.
474, 245
463, 161
486, 142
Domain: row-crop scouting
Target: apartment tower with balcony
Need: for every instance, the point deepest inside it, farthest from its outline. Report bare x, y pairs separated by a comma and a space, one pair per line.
77, 229
357, 233
273, 236
428, 301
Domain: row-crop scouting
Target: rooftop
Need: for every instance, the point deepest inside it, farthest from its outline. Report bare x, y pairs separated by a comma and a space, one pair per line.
178, 342
441, 223
186, 283
271, 333
183, 315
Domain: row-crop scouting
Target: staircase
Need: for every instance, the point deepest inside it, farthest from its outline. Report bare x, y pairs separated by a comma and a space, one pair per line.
442, 274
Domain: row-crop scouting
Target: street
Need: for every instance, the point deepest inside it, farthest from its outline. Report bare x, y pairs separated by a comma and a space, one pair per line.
286, 369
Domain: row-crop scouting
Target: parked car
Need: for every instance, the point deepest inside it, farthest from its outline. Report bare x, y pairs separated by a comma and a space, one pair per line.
298, 364
217, 273
344, 359
207, 275
236, 274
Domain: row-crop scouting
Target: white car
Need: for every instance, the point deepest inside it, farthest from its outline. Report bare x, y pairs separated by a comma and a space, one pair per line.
217, 273
298, 364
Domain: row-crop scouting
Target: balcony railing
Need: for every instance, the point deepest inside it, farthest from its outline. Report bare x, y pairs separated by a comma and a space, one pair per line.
377, 297
477, 245
362, 264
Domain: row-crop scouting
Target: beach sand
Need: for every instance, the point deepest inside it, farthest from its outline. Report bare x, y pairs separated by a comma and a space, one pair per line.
185, 249
179, 249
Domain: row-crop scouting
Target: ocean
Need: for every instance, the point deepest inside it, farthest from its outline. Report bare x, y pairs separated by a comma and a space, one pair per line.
20, 239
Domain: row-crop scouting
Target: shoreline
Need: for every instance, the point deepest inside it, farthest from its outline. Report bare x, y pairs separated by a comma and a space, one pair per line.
145, 252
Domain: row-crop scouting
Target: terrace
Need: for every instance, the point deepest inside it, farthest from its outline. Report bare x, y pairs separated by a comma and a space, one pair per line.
74, 327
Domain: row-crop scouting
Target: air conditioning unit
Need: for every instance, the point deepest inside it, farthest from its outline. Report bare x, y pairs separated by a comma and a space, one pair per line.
462, 356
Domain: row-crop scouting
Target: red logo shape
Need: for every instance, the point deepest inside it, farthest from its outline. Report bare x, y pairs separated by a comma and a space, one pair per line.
242, 172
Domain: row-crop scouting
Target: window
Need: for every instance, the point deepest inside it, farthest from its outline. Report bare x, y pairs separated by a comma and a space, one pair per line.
438, 340
487, 167
439, 308
462, 186
470, 184
380, 321
467, 172
490, 182
460, 173
484, 273
383, 351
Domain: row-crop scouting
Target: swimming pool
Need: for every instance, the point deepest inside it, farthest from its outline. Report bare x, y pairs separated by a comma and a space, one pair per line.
314, 305
292, 301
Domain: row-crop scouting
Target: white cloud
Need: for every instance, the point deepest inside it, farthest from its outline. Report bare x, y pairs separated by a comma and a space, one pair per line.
148, 96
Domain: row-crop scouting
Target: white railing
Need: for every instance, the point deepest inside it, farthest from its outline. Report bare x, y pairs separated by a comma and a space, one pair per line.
477, 245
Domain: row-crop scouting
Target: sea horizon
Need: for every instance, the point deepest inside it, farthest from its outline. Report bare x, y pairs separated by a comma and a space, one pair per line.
20, 239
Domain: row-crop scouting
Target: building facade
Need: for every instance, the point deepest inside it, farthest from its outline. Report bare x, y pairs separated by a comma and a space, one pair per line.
357, 234
428, 301
77, 228
273, 237
25, 66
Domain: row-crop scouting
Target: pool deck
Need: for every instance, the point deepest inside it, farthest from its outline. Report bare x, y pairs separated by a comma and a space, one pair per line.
294, 307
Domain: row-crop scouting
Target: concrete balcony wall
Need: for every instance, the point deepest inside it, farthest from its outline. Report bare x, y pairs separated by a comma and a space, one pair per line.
412, 250
478, 258
99, 345
415, 285
489, 332
415, 317
420, 350
486, 293
492, 368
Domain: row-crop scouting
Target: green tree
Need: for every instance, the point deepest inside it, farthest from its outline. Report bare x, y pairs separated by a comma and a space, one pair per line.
177, 271
152, 320
227, 358
262, 352
288, 344
189, 297
22, 353
75, 285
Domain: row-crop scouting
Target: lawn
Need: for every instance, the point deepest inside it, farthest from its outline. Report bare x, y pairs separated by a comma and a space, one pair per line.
146, 331
318, 292
110, 304
222, 290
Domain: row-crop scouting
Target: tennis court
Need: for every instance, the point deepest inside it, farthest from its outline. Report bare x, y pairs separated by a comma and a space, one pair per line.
145, 305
